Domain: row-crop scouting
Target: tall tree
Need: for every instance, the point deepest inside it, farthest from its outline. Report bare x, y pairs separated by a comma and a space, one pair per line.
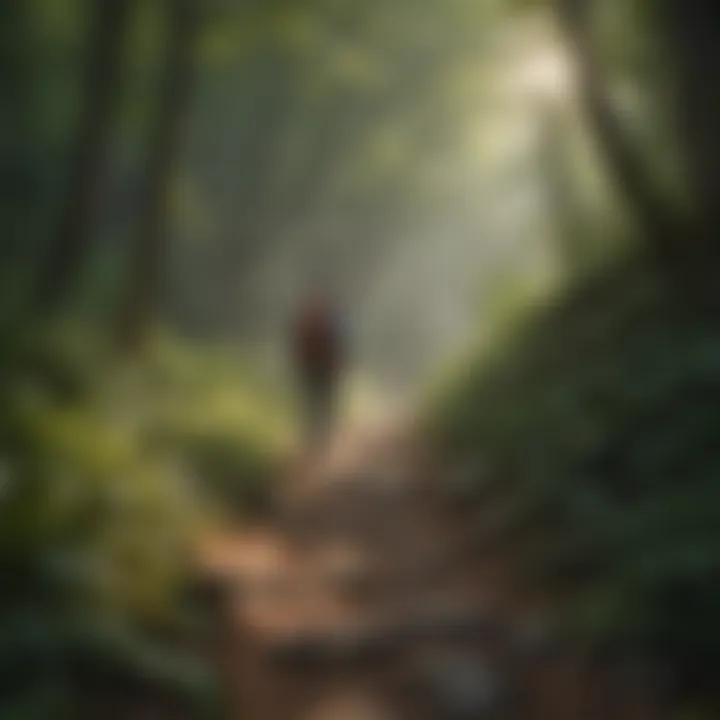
662, 229
149, 245
562, 194
692, 29
73, 235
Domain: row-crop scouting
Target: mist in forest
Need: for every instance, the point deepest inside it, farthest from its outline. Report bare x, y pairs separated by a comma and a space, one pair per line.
514, 206
411, 169
225, 157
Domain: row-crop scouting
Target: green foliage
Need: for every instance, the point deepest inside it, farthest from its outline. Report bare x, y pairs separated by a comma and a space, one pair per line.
602, 408
108, 475
222, 417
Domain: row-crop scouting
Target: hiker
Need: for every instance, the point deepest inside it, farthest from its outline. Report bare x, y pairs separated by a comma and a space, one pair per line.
318, 357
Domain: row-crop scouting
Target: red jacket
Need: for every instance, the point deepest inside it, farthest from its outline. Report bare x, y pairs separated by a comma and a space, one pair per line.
316, 339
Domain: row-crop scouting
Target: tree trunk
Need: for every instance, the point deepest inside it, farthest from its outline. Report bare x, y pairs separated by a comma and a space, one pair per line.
569, 230
692, 28
149, 246
661, 228
69, 246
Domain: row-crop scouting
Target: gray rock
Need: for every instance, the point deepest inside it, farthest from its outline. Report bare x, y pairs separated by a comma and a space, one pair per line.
462, 686
449, 619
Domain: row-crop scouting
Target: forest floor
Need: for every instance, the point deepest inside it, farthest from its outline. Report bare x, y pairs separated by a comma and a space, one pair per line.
366, 597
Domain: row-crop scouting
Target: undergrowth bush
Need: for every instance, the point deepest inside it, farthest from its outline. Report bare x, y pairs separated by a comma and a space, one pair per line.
108, 474
602, 409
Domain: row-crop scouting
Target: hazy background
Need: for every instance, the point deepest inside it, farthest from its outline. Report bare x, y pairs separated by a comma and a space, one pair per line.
517, 202
426, 157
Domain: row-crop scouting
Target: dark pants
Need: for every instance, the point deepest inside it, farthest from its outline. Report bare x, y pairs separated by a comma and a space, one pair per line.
319, 402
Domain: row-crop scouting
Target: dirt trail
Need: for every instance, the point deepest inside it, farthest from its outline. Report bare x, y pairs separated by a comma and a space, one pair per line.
361, 601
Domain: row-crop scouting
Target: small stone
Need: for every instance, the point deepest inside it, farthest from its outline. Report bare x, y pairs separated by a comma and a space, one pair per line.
463, 686
449, 618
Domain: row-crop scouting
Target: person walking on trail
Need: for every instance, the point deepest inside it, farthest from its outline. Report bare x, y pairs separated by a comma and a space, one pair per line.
318, 350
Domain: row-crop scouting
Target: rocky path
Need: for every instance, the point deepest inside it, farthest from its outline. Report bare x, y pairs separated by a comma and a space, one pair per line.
369, 597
